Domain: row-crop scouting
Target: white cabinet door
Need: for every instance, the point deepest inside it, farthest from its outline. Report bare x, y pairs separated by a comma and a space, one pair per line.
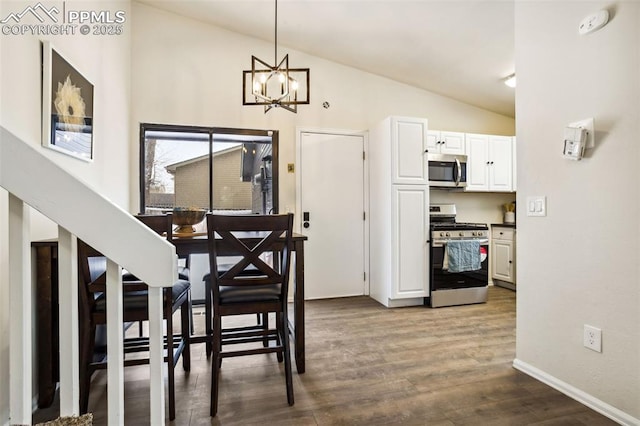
408, 151
433, 141
443, 142
503, 254
500, 163
410, 251
489, 162
502, 260
477, 162
454, 143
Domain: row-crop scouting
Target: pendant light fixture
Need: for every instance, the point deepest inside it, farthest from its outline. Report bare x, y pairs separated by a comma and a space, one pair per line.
275, 86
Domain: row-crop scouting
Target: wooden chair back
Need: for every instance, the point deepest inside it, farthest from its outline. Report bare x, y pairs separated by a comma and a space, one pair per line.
162, 224
258, 244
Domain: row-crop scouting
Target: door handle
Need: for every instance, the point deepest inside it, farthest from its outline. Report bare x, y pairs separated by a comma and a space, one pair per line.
459, 167
305, 219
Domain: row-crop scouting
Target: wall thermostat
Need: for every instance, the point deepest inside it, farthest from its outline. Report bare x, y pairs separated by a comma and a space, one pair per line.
574, 142
578, 136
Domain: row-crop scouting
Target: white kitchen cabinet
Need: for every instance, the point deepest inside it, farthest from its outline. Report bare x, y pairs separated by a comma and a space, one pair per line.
444, 142
409, 247
408, 150
503, 256
489, 163
398, 212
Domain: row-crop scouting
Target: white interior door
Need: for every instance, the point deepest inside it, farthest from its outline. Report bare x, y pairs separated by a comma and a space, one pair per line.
331, 209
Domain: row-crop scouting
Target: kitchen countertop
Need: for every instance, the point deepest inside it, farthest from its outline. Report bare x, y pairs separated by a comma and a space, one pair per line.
504, 225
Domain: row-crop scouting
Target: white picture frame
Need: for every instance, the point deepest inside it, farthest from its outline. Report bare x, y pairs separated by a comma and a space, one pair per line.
67, 106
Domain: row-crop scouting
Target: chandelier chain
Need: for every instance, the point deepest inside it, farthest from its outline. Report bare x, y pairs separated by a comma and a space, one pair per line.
275, 57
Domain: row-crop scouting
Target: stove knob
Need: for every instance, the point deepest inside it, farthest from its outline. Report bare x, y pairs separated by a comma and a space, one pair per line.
461, 234
448, 234
474, 234
480, 233
442, 234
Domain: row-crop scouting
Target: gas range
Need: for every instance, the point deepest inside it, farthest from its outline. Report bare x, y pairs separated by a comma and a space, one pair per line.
444, 225
459, 287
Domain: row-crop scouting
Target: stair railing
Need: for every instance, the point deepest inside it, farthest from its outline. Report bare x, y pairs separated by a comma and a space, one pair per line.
33, 180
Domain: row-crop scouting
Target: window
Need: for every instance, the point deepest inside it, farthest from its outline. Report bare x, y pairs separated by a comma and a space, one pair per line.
222, 170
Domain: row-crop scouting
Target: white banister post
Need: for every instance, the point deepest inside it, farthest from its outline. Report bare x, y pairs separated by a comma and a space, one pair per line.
156, 356
115, 345
69, 329
20, 330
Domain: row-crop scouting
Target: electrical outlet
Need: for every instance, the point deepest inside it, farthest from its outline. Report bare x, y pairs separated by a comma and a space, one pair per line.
592, 338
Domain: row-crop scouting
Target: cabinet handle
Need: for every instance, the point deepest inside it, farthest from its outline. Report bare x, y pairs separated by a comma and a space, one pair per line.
487, 163
510, 261
492, 163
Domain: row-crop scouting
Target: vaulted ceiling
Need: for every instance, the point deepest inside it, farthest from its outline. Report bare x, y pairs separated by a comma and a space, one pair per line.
462, 49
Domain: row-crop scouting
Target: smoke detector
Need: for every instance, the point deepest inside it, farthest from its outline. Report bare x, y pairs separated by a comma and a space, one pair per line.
593, 22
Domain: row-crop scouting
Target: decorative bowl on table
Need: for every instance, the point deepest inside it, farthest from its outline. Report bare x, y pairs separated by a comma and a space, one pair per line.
186, 217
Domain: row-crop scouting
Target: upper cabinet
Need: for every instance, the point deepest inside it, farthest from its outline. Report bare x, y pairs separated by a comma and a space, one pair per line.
408, 151
490, 165
442, 142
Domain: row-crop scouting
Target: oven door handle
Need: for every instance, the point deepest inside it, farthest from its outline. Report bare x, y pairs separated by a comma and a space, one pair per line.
441, 243
459, 167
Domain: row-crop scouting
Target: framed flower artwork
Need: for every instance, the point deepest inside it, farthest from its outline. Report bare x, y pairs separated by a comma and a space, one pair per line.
67, 106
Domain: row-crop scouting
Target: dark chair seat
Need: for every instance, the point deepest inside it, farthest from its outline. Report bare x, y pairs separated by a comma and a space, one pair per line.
139, 300
247, 293
250, 294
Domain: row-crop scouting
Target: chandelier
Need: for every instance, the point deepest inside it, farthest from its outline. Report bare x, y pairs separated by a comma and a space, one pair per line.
275, 86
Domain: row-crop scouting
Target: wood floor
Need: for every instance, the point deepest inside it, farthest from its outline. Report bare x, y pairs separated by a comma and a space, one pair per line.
368, 365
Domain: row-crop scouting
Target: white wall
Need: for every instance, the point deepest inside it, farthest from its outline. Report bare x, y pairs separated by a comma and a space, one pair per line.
580, 264
188, 72
480, 207
103, 60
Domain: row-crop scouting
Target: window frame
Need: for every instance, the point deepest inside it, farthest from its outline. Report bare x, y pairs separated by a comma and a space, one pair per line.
211, 131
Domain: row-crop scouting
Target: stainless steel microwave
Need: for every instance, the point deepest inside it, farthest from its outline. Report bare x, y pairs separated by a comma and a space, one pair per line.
447, 171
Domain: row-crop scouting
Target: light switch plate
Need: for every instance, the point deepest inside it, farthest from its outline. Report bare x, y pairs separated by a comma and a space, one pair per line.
536, 206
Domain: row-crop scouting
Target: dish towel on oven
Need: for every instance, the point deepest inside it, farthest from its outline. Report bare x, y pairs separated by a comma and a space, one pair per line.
462, 256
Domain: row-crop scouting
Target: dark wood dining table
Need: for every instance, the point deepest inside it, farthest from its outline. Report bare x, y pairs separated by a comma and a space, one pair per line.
46, 256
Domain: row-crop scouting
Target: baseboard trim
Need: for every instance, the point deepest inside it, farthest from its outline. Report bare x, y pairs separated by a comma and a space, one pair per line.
582, 397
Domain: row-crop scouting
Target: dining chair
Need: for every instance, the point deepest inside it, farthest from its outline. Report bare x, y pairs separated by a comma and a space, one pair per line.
163, 225
255, 243
92, 313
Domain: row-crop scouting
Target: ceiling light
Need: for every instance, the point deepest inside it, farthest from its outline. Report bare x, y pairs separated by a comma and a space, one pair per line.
277, 85
510, 81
